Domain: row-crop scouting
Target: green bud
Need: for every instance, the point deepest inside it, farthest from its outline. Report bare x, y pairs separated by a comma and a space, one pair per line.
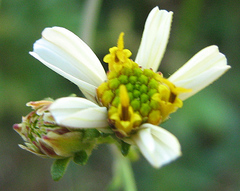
151, 92
143, 88
114, 83
137, 86
143, 79
107, 97
145, 109
46, 139
127, 71
123, 79
129, 87
135, 104
130, 94
154, 104
136, 93
116, 101
153, 84
117, 92
144, 98
112, 75
133, 79
137, 71
147, 72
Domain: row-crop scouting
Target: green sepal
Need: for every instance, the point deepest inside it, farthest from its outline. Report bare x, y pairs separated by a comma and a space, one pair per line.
59, 168
124, 148
80, 157
91, 133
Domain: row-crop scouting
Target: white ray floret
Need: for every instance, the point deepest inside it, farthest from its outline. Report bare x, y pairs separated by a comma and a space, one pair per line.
157, 145
76, 112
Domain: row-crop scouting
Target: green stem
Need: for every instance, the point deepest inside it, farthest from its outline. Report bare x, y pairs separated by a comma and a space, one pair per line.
123, 174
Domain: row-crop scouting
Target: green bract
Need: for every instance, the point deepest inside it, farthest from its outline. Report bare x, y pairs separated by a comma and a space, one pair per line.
45, 138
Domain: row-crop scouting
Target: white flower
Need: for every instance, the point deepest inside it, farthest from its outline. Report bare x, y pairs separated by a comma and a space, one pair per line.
68, 55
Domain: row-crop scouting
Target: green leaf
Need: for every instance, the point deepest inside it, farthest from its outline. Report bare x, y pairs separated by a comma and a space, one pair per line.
80, 158
125, 148
59, 168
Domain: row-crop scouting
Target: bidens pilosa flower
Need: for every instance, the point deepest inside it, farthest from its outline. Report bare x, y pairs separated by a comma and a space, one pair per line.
132, 99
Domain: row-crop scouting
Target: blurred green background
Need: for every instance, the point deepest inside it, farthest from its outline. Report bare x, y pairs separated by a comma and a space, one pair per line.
207, 126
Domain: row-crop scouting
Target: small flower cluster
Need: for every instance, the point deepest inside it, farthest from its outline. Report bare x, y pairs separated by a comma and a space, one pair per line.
124, 106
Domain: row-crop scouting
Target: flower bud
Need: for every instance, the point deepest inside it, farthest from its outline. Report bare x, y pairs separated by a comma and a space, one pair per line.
45, 138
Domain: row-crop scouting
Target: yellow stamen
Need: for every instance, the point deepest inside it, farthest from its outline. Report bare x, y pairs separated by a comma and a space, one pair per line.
124, 100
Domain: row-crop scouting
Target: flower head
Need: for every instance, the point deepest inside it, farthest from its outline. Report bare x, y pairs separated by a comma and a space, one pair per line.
134, 95
132, 99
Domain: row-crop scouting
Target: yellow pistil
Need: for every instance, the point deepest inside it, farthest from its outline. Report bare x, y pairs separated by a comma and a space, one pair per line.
124, 99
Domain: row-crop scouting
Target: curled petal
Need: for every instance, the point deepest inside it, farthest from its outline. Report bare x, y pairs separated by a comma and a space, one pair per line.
155, 38
68, 55
78, 113
157, 145
200, 71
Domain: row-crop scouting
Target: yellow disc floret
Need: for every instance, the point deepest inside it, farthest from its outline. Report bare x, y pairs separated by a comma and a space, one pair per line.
134, 95
124, 119
118, 57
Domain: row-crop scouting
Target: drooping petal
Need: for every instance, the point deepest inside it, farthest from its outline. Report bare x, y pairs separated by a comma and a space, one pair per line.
200, 71
155, 38
76, 112
145, 142
157, 145
68, 55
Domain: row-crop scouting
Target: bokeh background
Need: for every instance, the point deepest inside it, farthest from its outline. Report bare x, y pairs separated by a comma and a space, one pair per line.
207, 126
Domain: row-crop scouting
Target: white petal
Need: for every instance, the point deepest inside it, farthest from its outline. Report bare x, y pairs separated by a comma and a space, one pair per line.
65, 53
72, 103
89, 88
200, 71
164, 136
147, 140
78, 113
157, 145
87, 118
155, 38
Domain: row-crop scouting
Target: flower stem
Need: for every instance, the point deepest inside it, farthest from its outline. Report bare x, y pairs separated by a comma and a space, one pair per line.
123, 174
